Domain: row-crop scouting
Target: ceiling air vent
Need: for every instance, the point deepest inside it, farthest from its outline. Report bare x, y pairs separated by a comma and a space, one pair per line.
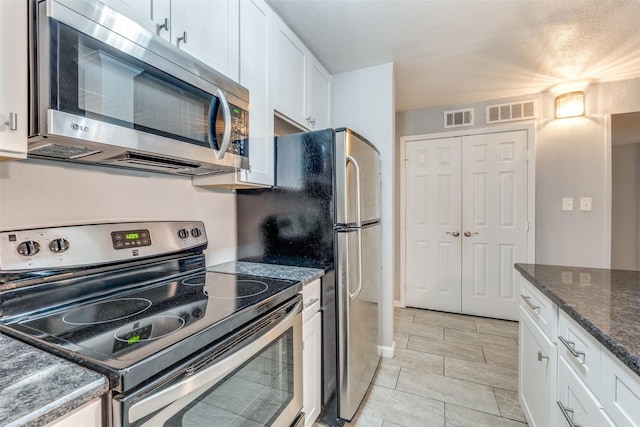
458, 118
511, 112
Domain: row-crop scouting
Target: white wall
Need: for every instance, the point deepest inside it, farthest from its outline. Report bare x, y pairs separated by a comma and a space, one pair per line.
572, 160
363, 100
36, 193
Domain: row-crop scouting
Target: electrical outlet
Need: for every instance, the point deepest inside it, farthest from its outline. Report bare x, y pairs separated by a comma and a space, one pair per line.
585, 203
567, 204
567, 277
585, 278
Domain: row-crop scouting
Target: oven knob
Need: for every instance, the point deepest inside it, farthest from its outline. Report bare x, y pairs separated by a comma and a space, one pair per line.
195, 232
28, 248
59, 245
183, 233
185, 316
197, 312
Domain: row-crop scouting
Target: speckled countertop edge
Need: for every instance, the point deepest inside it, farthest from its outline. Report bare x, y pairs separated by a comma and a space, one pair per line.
631, 360
37, 387
303, 275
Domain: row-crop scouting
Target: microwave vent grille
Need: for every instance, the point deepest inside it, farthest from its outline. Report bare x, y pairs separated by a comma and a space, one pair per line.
58, 151
203, 171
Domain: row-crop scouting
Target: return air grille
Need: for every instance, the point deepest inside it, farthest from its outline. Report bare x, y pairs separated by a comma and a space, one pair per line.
458, 118
511, 112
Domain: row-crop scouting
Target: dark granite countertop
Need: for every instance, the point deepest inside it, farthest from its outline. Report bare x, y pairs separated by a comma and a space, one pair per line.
37, 387
606, 303
274, 271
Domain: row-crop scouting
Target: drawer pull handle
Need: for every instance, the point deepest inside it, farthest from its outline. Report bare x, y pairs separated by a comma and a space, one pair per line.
571, 346
565, 412
540, 356
311, 302
529, 303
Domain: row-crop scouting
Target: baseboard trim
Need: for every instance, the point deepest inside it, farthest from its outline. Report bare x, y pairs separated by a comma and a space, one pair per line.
387, 352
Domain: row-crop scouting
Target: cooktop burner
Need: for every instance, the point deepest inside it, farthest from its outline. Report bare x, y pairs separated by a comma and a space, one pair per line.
236, 289
107, 311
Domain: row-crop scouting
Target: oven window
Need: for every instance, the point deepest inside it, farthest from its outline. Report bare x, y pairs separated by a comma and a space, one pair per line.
253, 395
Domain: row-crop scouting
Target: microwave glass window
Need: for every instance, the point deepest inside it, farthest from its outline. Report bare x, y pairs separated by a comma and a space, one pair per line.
253, 395
94, 80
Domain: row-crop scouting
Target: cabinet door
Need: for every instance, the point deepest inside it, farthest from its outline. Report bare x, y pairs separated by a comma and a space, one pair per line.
89, 415
311, 365
151, 14
13, 80
538, 368
208, 31
319, 96
256, 74
290, 74
620, 394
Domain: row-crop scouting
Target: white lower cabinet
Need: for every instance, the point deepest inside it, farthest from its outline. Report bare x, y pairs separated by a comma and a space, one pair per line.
88, 415
576, 405
569, 379
538, 363
311, 352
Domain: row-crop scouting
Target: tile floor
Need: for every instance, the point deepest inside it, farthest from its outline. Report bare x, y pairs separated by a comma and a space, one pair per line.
449, 370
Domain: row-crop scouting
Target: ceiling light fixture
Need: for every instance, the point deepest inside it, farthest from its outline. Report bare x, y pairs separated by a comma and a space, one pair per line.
570, 105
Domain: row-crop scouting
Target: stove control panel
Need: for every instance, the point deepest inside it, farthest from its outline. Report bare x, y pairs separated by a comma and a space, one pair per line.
92, 244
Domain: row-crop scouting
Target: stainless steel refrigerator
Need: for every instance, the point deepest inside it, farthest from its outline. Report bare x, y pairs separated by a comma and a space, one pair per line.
324, 212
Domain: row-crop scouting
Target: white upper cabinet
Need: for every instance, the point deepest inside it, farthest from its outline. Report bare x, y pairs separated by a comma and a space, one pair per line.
319, 116
207, 30
13, 78
256, 74
302, 87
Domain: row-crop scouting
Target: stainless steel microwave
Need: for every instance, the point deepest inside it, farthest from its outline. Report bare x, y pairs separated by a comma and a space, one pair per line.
104, 90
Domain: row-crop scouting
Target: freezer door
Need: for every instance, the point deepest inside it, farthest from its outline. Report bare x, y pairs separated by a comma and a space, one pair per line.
358, 275
357, 169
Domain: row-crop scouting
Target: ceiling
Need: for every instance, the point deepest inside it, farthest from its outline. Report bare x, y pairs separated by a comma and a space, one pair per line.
449, 52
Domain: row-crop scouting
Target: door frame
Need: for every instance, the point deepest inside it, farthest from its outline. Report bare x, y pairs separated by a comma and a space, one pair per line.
531, 188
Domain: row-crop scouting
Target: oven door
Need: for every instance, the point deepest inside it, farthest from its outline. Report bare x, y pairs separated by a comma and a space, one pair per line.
252, 378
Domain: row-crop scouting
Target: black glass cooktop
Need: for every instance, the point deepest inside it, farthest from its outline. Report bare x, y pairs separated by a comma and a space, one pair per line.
125, 328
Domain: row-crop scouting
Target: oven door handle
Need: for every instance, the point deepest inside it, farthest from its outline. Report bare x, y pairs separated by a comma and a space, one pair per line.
205, 378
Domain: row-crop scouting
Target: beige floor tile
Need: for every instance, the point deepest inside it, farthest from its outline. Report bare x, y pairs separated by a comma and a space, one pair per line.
364, 420
449, 349
425, 362
387, 373
481, 373
421, 330
507, 329
401, 340
457, 416
509, 404
477, 319
403, 409
404, 314
474, 338
448, 390
444, 320
505, 356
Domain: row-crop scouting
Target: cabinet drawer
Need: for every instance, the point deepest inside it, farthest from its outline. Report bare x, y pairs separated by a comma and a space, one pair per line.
620, 394
540, 308
576, 405
310, 299
580, 350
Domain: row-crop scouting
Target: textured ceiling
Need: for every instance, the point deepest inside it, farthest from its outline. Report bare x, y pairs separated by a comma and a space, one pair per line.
449, 52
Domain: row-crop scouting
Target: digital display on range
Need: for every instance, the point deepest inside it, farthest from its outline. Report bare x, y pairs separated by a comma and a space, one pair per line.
130, 239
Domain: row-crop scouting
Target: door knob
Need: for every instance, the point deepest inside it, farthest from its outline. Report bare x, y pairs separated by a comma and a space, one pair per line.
470, 233
453, 233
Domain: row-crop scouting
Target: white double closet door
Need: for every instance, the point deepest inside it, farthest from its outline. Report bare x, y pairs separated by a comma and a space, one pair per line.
466, 212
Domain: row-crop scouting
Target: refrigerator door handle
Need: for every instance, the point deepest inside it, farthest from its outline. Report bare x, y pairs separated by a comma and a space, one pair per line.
356, 166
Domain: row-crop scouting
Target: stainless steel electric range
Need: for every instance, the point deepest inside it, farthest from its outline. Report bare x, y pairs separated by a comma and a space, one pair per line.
181, 346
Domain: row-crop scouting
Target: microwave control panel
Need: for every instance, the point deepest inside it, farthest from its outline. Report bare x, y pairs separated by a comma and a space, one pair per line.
239, 131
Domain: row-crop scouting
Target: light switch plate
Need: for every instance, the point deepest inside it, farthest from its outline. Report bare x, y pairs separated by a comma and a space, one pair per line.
585, 203
567, 204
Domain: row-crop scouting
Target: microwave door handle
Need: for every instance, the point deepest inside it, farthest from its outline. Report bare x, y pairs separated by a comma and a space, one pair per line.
226, 115
210, 375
